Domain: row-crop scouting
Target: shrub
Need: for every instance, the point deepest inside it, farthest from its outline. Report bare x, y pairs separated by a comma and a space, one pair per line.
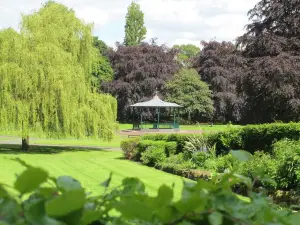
171, 148
143, 145
261, 168
198, 158
221, 164
176, 164
198, 174
180, 139
287, 156
153, 155
250, 138
129, 148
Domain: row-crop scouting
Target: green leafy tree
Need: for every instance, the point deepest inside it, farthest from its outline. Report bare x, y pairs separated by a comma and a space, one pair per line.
188, 90
102, 47
135, 31
102, 70
186, 53
45, 78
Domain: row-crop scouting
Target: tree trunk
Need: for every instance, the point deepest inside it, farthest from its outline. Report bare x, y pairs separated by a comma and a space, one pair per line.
25, 144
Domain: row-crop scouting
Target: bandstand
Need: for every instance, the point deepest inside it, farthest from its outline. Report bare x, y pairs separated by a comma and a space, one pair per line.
158, 104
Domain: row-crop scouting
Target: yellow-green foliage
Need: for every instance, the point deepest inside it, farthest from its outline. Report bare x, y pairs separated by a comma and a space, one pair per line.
45, 77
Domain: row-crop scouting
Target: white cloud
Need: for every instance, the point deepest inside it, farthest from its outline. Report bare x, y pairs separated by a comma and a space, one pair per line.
171, 21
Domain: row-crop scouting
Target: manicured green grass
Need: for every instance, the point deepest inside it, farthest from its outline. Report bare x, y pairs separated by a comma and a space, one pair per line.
89, 167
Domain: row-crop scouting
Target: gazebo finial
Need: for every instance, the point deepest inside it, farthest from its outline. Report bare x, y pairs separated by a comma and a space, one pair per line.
156, 92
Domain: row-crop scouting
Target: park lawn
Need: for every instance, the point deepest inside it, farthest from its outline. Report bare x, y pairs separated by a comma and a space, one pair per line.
90, 167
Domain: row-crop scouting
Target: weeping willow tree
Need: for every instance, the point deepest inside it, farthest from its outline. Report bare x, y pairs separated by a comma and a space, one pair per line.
45, 78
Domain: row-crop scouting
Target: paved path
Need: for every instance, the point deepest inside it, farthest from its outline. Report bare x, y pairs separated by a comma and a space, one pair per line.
13, 140
17, 141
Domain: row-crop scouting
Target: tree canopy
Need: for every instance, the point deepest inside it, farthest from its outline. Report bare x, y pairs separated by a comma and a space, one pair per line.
102, 68
139, 70
186, 53
187, 90
135, 31
271, 46
45, 77
220, 65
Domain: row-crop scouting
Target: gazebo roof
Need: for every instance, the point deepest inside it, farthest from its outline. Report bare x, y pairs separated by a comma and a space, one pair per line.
156, 102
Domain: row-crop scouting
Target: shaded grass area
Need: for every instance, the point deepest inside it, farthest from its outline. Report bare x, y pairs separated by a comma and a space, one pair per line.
90, 167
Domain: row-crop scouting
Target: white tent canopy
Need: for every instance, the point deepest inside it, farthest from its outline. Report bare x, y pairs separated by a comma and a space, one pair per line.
156, 102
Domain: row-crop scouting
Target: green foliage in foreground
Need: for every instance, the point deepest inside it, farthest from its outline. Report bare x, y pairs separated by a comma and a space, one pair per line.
57, 201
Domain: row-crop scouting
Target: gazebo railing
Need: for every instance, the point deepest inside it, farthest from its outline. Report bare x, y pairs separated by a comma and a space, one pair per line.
149, 125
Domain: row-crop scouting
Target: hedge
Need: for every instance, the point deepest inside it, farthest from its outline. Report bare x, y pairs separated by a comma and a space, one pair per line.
250, 138
133, 148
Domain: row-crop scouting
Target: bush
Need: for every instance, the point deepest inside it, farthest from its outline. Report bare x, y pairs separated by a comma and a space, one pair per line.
153, 155
261, 168
221, 164
143, 145
258, 137
250, 138
180, 139
198, 158
171, 148
287, 156
129, 148
176, 164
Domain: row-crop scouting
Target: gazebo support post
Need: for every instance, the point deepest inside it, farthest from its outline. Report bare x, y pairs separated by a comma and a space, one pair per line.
174, 118
141, 119
158, 117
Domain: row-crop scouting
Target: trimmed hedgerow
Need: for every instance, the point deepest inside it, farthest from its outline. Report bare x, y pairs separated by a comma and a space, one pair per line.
250, 138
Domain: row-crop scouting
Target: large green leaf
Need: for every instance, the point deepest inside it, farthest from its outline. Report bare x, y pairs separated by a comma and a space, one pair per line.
35, 213
241, 155
89, 216
165, 195
215, 218
66, 203
66, 183
3, 192
106, 183
9, 210
135, 207
295, 219
133, 185
30, 179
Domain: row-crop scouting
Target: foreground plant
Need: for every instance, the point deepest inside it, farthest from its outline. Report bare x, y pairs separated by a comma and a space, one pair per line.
43, 199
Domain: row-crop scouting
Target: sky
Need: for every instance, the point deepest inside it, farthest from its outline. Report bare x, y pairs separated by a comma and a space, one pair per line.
170, 21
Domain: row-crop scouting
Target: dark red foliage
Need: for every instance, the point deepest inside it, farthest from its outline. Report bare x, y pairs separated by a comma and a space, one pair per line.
220, 65
271, 82
139, 71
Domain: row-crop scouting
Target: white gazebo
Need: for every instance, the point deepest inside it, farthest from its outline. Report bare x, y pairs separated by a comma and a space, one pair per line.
157, 103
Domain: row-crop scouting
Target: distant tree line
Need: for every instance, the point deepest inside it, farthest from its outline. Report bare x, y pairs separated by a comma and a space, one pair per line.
254, 80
